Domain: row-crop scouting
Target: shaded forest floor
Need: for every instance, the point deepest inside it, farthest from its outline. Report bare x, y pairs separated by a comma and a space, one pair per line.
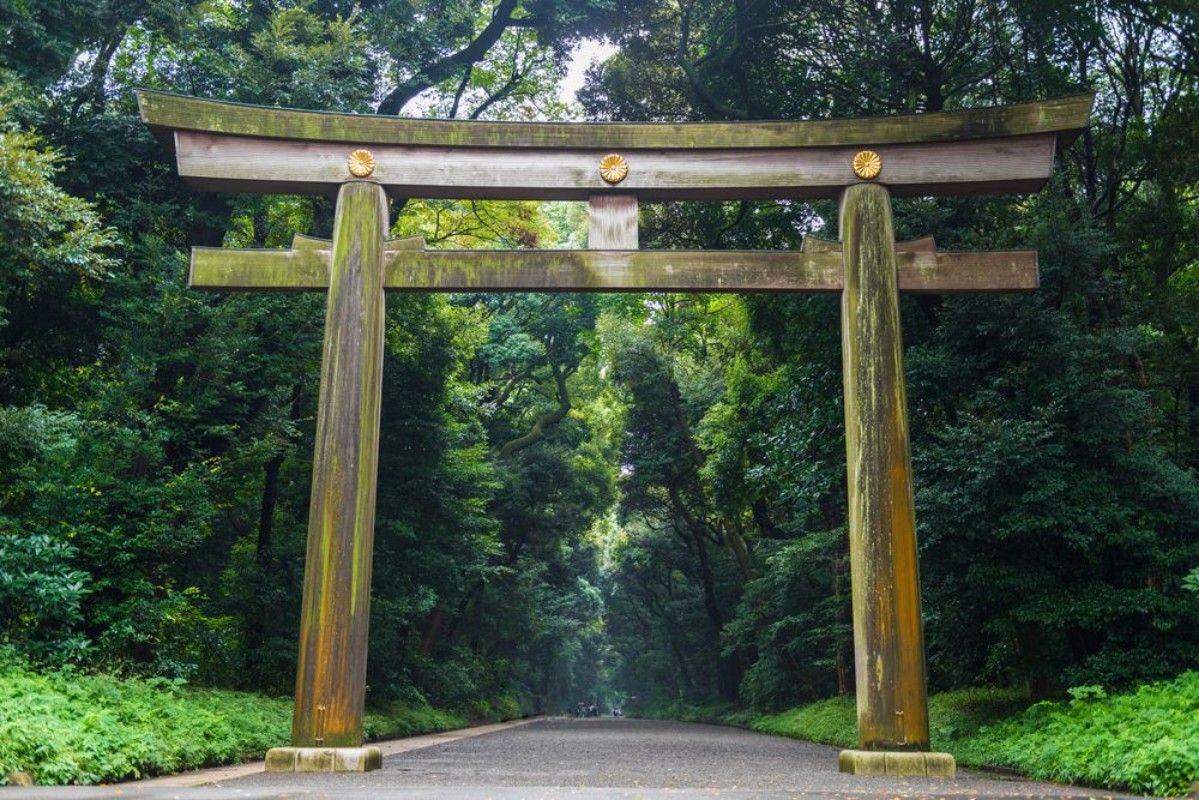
1146, 741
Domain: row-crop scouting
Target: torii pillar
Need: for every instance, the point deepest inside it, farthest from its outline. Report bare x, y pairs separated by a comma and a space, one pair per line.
888, 632
335, 612
229, 147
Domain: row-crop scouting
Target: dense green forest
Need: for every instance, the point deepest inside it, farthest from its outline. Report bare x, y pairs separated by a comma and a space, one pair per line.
635, 499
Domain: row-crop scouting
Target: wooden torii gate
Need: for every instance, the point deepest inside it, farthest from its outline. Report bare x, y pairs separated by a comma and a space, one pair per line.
863, 162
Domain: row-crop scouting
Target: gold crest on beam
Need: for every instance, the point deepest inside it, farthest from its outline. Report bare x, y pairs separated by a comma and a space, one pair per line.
867, 165
361, 163
613, 168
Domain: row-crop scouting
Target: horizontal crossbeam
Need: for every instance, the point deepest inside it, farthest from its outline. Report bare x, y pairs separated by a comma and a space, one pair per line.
219, 162
230, 147
165, 113
410, 267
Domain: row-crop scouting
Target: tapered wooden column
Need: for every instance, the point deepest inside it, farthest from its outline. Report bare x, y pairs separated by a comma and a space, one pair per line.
331, 678
888, 636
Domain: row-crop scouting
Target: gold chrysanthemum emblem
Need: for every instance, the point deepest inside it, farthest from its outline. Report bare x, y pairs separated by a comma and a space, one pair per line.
613, 168
867, 164
361, 163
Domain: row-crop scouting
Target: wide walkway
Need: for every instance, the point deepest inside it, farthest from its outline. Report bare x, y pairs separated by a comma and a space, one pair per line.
597, 758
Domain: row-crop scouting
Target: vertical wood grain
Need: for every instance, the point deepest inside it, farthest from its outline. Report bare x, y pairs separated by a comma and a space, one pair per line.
331, 676
892, 694
612, 222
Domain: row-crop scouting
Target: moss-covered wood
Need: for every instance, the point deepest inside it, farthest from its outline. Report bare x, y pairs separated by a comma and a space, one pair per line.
335, 611
816, 269
165, 113
223, 162
889, 663
296, 270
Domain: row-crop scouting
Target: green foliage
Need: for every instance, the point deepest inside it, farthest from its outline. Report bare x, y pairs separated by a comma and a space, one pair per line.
955, 719
795, 625
65, 528
46, 232
69, 727
53, 250
40, 597
411, 719
300, 60
479, 56
1145, 741
1063, 466
72, 727
475, 225
38, 40
722, 713
831, 721
1190, 581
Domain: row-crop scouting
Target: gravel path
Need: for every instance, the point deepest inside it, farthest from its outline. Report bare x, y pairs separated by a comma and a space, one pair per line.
646, 754
595, 759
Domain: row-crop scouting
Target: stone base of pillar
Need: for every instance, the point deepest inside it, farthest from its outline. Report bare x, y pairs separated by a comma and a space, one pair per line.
323, 759
897, 763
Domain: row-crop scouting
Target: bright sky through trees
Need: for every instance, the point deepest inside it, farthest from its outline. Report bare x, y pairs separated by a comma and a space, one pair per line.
586, 53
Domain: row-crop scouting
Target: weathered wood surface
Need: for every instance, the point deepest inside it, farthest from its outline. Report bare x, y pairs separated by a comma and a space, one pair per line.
271, 270
164, 113
889, 662
612, 222
816, 269
220, 162
335, 611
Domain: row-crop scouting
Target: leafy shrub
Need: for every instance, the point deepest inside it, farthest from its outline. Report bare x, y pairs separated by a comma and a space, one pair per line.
832, 721
956, 717
40, 596
69, 727
1190, 581
721, 713
402, 720
1146, 741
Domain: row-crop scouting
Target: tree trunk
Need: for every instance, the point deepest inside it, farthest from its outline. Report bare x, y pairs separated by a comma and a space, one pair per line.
266, 516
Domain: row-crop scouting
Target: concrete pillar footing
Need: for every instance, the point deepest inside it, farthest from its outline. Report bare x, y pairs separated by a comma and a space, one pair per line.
897, 763
323, 759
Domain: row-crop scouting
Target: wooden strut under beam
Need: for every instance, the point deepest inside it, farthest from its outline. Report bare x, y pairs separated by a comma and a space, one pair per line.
409, 267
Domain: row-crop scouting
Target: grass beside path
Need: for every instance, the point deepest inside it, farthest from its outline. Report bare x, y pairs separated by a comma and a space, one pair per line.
1145, 741
71, 727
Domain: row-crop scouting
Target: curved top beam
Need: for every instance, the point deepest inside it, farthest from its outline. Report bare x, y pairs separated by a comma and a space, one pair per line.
165, 113
231, 147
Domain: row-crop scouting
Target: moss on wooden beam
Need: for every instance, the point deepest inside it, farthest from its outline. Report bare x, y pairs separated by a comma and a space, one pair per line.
165, 113
298, 270
227, 162
817, 269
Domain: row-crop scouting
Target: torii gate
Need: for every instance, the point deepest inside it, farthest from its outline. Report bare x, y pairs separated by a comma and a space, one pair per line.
864, 162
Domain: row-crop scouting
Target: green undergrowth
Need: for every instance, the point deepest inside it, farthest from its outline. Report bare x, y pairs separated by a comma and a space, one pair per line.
71, 727
718, 713
1146, 741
